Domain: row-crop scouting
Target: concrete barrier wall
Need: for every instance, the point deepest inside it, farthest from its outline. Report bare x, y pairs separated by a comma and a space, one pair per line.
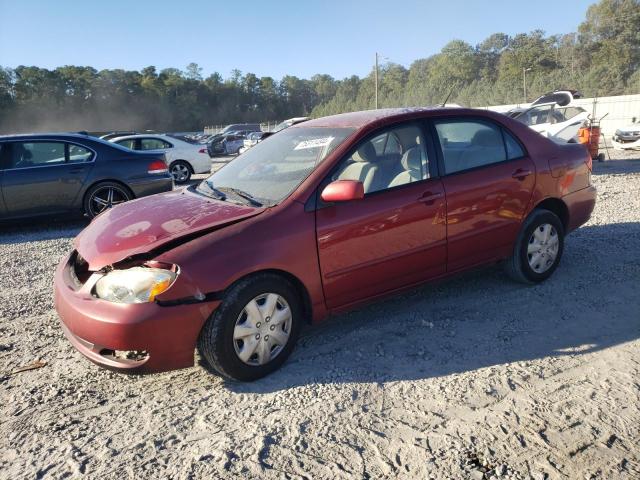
621, 110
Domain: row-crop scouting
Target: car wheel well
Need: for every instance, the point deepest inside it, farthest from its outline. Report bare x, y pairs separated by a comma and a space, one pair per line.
558, 207
297, 284
189, 166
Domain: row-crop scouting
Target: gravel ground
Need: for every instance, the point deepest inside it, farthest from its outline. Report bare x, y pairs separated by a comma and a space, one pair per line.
476, 377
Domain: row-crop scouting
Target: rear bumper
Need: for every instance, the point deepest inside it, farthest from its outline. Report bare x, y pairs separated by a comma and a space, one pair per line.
96, 328
580, 204
151, 186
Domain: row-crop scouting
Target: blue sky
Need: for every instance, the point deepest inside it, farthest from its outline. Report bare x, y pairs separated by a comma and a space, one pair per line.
268, 38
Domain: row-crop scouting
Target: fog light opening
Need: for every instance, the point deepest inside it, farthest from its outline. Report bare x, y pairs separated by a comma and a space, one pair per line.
126, 355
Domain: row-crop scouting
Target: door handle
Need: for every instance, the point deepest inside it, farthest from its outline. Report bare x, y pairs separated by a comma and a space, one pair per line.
521, 174
430, 197
77, 170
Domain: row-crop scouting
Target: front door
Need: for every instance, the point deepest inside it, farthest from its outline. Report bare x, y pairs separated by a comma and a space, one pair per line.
396, 235
489, 180
43, 176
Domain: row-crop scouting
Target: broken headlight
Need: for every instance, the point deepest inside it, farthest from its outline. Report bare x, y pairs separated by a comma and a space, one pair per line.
134, 285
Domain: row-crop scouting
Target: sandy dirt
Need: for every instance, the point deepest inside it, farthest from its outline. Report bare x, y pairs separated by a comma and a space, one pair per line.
476, 377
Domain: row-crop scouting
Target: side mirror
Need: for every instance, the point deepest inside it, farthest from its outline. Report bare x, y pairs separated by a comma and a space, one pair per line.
343, 191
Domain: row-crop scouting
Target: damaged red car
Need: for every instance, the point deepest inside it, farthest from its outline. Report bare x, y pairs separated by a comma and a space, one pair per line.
317, 219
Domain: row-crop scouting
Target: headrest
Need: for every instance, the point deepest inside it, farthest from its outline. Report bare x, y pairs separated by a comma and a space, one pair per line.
412, 160
486, 138
366, 153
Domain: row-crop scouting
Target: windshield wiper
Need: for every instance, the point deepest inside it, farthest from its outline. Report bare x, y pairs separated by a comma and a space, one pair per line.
219, 195
243, 194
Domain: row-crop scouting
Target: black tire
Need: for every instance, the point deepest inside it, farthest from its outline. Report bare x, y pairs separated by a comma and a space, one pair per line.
180, 171
90, 204
216, 342
517, 266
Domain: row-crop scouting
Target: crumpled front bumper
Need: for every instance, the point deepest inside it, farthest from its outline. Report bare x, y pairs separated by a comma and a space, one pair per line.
96, 328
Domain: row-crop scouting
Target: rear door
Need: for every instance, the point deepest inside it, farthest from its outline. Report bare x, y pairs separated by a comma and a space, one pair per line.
396, 235
44, 176
489, 180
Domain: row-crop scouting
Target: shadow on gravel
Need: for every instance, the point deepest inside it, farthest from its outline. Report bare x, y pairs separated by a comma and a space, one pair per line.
613, 167
34, 230
478, 320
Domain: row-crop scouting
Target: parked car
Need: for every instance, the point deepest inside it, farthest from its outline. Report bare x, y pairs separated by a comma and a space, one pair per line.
627, 138
227, 144
238, 127
184, 158
243, 128
251, 140
320, 218
553, 116
56, 174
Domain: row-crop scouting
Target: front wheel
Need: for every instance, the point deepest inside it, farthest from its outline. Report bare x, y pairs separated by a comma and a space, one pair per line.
181, 171
538, 248
254, 330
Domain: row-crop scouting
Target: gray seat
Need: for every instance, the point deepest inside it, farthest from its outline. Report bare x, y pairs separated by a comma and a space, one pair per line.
412, 163
362, 166
486, 148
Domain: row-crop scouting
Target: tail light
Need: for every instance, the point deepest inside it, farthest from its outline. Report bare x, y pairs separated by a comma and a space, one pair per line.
203, 150
157, 166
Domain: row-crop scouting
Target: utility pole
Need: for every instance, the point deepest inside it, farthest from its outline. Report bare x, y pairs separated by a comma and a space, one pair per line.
375, 74
524, 82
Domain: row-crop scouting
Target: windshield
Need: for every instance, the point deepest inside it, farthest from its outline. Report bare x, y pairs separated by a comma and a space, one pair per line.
271, 170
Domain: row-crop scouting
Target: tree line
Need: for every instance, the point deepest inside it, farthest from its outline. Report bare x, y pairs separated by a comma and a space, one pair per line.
602, 58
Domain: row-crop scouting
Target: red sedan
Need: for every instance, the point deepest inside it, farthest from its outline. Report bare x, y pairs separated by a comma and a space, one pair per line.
317, 219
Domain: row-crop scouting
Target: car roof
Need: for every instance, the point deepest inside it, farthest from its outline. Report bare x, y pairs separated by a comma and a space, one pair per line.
147, 135
365, 117
51, 135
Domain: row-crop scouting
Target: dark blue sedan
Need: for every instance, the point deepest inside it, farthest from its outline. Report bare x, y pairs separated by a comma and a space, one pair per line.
58, 174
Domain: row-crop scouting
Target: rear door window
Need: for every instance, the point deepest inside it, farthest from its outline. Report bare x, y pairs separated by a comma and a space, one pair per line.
468, 144
153, 144
36, 154
128, 143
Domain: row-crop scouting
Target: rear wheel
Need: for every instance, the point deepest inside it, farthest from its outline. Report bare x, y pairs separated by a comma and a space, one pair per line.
254, 330
538, 248
103, 196
181, 171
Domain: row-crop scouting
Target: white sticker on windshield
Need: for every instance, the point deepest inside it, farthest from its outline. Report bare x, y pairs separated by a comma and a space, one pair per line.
315, 143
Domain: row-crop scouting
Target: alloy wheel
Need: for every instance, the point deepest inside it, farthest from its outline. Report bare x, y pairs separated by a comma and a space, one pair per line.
180, 172
106, 197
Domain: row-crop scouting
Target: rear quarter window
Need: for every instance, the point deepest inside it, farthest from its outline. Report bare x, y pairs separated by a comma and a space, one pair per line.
514, 149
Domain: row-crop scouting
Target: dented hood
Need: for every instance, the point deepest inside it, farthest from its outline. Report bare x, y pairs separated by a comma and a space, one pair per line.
151, 223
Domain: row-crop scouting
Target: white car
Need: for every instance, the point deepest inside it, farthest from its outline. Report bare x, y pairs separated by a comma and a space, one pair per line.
183, 158
553, 116
627, 138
